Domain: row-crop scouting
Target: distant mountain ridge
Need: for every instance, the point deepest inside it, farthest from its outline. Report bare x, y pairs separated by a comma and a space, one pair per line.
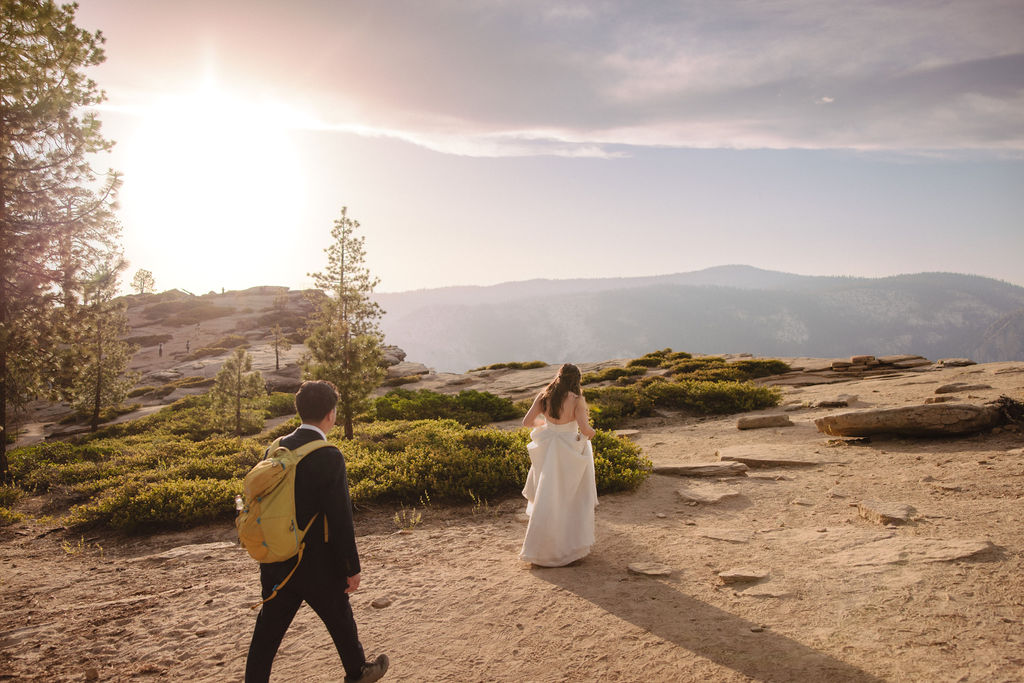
726, 309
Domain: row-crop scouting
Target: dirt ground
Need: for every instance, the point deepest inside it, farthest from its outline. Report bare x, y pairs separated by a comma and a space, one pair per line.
845, 598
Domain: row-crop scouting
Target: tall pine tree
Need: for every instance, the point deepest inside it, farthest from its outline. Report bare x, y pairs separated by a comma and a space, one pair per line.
50, 198
238, 392
101, 381
345, 338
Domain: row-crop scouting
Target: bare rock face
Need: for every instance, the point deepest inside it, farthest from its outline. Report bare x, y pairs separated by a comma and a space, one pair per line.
905, 550
935, 419
391, 355
762, 421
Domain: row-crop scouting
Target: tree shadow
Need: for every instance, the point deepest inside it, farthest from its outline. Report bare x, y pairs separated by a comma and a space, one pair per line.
663, 609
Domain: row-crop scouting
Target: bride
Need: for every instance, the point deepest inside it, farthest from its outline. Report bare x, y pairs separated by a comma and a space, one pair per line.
560, 488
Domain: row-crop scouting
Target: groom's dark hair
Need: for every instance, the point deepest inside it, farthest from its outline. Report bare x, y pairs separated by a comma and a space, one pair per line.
315, 399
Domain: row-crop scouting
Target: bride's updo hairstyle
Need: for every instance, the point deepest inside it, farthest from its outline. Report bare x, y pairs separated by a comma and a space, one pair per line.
567, 379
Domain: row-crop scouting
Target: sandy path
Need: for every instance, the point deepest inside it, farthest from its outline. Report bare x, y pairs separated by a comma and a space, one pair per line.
465, 609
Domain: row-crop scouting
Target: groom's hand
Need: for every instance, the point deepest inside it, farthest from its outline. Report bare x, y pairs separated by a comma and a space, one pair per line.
353, 583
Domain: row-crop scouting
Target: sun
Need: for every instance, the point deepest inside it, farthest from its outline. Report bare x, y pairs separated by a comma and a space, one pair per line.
210, 175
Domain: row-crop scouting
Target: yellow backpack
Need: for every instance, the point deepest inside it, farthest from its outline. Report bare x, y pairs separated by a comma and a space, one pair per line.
266, 524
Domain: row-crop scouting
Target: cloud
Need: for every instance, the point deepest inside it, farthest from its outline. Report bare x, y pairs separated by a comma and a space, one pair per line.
499, 77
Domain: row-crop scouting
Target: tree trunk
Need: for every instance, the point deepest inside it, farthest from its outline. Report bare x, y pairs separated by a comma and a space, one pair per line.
97, 398
5, 472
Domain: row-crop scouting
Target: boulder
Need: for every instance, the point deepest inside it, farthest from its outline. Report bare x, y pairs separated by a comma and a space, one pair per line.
703, 469
907, 364
391, 355
763, 421
955, 362
899, 358
404, 369
885, 513
936, 419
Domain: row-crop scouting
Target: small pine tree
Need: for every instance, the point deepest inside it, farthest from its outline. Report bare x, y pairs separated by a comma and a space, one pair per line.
143, 281
238, 393
101, 379
279, 343
344, 340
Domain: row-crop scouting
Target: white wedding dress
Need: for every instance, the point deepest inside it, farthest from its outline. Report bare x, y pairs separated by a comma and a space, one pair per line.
562, 493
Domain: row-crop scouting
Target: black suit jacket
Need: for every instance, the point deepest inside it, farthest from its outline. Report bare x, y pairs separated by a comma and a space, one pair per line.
321, 485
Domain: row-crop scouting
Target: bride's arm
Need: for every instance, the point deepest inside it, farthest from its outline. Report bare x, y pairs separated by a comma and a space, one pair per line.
533, 413
583, 418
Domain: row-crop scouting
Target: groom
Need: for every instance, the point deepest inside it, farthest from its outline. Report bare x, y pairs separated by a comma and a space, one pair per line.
330, 564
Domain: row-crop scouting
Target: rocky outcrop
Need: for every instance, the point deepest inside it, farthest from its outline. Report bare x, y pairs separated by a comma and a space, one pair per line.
704, 469
936, 419
763, 421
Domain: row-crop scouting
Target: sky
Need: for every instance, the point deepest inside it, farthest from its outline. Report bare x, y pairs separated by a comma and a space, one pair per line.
484, 141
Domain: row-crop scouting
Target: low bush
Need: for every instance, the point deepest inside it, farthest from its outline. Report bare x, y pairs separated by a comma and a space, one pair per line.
471, 408
193, 382
515, 365
140, 391
149, 340
204, 351
9, 495
8, 517
610, 406
230, 341
612, 374
399, 381
279, 403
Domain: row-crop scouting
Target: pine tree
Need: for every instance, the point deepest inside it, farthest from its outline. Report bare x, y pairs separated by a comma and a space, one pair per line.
344, 341
50, 199
101, 381
143, 281
238, 392
279, 343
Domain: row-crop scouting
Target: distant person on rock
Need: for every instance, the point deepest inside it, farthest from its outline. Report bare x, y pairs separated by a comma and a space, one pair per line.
330, 569
561, 489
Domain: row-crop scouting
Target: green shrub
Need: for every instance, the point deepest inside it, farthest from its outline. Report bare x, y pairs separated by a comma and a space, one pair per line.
230, 341
169, 504
399, 381
194, 382
140, 391
612, 373
9, 495
471, 408
515, 365
279, 403
401, 461
8, 517
149, 340
204, 351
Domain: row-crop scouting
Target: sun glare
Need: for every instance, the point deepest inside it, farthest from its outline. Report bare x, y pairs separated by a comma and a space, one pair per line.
210, 175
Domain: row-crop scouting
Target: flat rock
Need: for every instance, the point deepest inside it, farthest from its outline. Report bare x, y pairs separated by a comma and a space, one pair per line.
763, 421
381, 602
937, 419
885, 513
744, 575
960, 386
703, 469
940, 399
626, 432
650, 569
907, 364
728, 535
914, 549
764, 456
405, 369
706, 494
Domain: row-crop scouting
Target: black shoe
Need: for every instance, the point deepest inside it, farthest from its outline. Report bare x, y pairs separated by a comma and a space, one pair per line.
372, 671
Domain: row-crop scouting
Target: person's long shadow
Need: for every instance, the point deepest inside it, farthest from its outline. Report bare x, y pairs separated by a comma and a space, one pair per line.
664, 609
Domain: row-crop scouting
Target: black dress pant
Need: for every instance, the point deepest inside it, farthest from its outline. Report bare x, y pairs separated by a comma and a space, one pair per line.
330, 602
